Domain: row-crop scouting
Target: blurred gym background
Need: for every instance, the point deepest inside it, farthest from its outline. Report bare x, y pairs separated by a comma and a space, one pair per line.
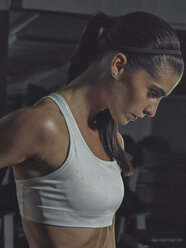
37, 39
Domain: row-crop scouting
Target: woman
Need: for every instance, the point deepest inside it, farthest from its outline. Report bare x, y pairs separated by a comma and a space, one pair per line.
66, 152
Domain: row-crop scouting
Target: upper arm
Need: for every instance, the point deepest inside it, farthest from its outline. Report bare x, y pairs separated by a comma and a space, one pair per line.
18, 135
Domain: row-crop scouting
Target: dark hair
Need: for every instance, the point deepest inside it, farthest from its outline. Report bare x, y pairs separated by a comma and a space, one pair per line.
137, 29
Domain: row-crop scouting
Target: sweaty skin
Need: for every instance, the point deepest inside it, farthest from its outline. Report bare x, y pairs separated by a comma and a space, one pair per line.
35, 140
54, 141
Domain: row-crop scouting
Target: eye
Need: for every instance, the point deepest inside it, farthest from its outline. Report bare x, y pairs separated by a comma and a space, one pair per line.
153, 93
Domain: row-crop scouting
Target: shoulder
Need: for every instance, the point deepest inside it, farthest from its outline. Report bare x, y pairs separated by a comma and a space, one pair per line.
32, 118
34, 125
43, 118
31, 132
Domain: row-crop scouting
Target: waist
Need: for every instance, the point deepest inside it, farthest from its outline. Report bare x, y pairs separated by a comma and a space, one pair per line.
50, 236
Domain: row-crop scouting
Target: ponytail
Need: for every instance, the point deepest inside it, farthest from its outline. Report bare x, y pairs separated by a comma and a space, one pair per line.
88, 47
108, 135
86, 53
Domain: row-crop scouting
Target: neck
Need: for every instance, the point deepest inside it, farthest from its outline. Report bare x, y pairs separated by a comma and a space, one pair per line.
86, 95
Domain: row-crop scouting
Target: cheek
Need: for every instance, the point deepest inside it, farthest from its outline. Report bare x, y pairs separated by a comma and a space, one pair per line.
139, 94
127, 101
132, 97
136, 101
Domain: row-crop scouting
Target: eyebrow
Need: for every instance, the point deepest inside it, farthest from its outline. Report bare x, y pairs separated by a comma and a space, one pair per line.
161, 91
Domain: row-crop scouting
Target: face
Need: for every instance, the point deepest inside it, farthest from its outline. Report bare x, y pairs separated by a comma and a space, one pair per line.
137, 95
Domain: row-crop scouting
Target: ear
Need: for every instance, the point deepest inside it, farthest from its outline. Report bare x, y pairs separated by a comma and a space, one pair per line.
118, 63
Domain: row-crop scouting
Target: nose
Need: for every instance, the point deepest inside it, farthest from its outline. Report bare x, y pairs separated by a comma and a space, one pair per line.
151, 110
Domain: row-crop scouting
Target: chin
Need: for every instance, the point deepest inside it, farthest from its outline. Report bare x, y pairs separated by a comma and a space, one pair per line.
120, 119
124, 121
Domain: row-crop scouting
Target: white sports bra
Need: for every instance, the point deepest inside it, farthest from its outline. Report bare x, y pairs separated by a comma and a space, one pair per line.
84, 192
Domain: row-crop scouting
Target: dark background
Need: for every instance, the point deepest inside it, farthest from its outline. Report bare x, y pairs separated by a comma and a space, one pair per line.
37, 39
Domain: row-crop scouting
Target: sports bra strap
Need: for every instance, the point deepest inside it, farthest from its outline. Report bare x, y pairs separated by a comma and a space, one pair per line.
65, 110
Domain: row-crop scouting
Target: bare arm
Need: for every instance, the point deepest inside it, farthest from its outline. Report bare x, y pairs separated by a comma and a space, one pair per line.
16, 141
23, 134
